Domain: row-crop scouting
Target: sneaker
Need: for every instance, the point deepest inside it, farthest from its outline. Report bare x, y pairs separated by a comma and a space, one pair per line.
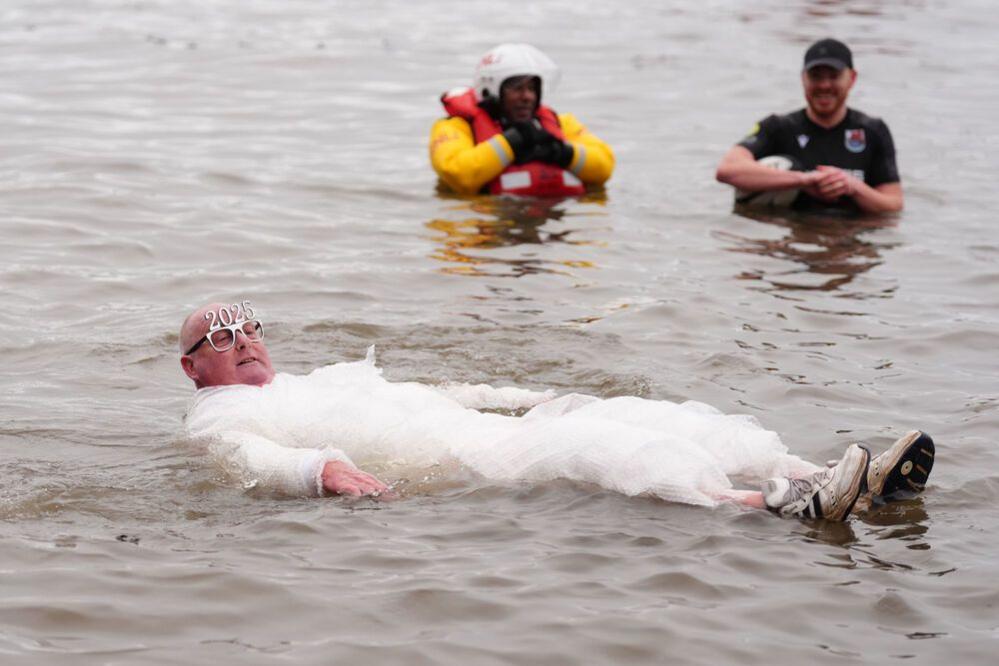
905, 465
828, 494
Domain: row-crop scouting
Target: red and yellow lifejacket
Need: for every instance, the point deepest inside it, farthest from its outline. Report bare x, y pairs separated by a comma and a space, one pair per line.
536, 179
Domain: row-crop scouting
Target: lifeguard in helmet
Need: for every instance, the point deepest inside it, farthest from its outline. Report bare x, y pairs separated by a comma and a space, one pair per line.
499, 139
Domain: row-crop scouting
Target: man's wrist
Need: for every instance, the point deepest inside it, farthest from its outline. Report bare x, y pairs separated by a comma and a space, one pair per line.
851, 186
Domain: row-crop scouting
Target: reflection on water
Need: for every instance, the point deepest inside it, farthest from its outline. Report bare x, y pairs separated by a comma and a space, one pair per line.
904, 522
901, 522
829, 250
832, 534
904, 519
475, 227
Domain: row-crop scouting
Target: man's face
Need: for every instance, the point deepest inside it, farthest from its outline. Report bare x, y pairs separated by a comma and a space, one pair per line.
247, 362
519, 98
826, 89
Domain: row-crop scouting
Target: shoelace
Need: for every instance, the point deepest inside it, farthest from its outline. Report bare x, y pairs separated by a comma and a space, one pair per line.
798, 488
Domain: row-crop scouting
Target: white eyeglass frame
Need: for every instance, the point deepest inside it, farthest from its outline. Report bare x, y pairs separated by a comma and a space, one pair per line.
232, 328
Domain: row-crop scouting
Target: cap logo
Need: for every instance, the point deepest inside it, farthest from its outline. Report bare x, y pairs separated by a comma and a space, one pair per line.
855, 140
490, 59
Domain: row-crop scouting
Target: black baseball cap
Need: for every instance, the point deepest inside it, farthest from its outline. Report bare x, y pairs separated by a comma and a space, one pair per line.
829, 52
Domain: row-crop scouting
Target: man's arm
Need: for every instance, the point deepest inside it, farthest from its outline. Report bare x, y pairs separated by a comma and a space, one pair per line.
740, 169
884, 198
593, 161
464, 166
835, 183
263, 463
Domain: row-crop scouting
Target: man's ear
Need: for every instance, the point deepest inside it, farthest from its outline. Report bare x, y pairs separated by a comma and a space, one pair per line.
187, 363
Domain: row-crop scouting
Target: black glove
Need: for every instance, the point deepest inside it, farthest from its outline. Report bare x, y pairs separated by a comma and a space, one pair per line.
555, 152
522, 138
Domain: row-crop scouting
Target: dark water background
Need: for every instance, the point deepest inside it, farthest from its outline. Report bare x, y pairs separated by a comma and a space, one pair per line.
155, 155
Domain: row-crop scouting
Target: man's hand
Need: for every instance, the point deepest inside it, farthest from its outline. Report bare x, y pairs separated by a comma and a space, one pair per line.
552, 150
522, 138
832, 184
343, 479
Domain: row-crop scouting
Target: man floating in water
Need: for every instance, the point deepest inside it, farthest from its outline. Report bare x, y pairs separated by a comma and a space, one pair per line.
499, 139
832, 156
298, 435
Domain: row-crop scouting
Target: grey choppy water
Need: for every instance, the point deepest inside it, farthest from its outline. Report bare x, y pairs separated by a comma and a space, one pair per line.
156, 155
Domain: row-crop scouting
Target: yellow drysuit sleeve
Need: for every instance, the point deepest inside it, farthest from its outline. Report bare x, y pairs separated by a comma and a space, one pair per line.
462, 165
593, 162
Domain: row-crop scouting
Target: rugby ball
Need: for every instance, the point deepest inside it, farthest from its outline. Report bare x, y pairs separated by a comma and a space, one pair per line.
772, 198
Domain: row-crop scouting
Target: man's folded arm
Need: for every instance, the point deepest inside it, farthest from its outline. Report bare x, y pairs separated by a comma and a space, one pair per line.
464, 166
739, 168
593, 162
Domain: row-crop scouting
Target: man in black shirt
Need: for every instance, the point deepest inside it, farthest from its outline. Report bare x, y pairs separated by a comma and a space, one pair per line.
848, 157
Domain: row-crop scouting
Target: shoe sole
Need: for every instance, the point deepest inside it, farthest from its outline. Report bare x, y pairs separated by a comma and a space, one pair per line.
910, 467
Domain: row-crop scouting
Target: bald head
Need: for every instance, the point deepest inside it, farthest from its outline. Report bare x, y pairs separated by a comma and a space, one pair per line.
246, 362
195, 326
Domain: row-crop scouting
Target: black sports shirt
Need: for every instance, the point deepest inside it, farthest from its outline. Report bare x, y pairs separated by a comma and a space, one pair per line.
860, 144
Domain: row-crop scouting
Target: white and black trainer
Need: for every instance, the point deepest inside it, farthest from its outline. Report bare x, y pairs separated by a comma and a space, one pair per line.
828, 494
905, 466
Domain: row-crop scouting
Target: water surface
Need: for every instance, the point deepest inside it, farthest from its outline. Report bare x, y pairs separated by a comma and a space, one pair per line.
159, 155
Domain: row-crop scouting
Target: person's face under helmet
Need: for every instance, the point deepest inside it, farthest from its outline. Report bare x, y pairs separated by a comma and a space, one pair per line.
519, 98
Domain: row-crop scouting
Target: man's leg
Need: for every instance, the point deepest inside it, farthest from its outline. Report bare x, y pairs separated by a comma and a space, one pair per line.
749, 498
904, 466
829, 493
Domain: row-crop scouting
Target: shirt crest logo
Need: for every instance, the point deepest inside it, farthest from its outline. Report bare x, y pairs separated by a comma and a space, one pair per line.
855, 140
803, 140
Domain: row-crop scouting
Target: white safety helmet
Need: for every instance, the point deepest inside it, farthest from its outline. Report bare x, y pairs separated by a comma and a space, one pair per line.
507, 60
